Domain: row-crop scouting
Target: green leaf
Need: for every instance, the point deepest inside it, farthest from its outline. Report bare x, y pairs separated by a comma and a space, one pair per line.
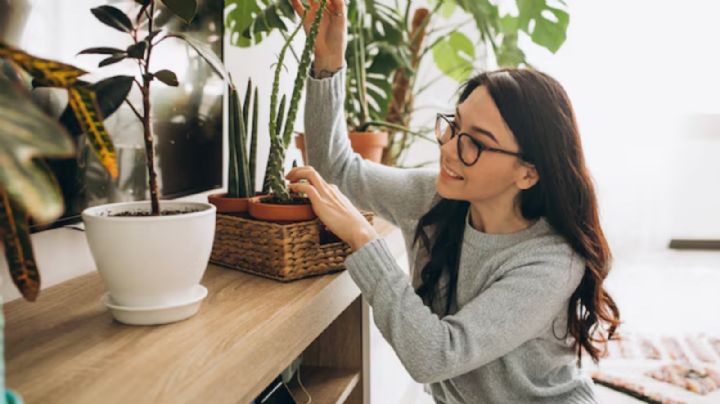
233, 122
447, 8
111, 93
184, 9
137, 51
112, 60
167, 77
18, 248
509, 25
83, 102
113, 17
549, 33
249, 21
28, 133
508, 53
101, 51
454, 56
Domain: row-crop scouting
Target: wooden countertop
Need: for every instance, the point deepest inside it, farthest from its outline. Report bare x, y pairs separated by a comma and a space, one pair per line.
67, 348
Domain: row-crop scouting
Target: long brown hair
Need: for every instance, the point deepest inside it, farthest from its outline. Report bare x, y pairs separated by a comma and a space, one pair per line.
539, 113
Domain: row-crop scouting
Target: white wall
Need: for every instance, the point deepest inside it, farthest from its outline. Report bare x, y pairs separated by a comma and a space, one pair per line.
638, 72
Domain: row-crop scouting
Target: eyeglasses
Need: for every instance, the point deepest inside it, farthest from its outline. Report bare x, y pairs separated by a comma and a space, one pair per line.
468, 148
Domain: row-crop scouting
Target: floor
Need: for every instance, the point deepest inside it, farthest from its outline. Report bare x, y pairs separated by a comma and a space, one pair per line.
664, 291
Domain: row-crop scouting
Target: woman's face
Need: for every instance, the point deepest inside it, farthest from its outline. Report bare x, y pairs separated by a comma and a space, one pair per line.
494, 174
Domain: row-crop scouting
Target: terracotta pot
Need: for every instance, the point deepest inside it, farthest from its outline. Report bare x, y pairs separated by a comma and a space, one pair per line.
281, 213
369, 145
225, 204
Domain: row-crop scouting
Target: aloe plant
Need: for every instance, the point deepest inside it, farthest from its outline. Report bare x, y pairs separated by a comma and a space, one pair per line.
145, 36
27, 186
242, 163
281, 125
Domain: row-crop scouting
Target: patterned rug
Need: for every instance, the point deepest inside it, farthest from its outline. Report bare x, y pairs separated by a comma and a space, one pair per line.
662, 368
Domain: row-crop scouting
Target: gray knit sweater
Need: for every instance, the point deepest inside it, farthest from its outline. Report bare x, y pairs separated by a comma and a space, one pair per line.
498, 345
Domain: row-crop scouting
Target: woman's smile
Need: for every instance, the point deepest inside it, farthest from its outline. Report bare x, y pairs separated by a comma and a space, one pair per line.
448, 174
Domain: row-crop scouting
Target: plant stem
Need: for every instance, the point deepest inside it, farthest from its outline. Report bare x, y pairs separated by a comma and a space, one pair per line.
147, 124
360, 78
402, 97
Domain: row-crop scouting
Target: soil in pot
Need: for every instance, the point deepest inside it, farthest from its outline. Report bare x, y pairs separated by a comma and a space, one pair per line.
142, 213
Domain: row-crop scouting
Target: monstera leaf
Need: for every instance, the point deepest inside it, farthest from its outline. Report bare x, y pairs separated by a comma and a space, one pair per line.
454, 55
548, 32
250, 21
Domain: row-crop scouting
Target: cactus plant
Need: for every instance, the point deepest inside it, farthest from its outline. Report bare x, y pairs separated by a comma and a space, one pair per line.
281, 125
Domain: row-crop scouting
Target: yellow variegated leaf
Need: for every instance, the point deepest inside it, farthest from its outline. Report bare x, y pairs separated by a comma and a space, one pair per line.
49, 72
18, 248
26, 134
85, 106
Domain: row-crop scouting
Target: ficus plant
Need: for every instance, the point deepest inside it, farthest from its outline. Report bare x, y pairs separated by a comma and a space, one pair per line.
28, 188
144, 36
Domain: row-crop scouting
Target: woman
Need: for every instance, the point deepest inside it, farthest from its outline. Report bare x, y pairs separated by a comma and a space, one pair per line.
507, 254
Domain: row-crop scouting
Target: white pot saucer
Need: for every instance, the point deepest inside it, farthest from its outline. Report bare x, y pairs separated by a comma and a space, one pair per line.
157, 314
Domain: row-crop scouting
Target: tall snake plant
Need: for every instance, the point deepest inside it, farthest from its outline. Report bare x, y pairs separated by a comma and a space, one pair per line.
241, 178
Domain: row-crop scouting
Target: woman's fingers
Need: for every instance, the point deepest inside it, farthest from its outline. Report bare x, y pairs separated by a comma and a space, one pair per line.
336, 6
310, 174
308, 189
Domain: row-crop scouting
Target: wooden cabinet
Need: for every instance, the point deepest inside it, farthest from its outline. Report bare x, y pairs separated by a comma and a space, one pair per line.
66, 348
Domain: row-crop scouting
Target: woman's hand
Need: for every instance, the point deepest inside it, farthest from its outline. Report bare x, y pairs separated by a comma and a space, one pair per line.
332, 207
332, 32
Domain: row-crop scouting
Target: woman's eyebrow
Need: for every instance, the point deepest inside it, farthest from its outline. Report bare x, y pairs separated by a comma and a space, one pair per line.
476, 128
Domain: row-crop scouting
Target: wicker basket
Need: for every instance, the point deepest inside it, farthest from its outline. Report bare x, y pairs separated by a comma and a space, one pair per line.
281, 251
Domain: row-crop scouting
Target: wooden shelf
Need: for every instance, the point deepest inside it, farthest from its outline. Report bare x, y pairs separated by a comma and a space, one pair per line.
325, 384
66, 347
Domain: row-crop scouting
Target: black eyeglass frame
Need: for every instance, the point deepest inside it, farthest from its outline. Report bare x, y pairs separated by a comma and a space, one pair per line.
450, 119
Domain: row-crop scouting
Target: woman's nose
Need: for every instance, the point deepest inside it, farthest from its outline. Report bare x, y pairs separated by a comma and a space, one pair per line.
448, 150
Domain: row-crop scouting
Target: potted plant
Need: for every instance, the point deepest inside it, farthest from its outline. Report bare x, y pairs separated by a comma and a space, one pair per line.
391, 41
280, 204
241, 165
363, 119
150, 254
283, 239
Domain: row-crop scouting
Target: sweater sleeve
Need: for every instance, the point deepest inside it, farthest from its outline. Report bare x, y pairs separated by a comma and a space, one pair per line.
395, 194
513, 310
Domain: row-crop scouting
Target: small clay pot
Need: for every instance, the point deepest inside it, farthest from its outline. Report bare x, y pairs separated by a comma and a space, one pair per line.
369, 145
280, 212
225, 204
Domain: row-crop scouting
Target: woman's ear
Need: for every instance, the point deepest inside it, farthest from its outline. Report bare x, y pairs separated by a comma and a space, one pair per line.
527, 177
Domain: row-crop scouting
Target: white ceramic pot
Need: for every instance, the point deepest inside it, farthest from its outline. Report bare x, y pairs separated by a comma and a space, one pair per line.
151, 261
